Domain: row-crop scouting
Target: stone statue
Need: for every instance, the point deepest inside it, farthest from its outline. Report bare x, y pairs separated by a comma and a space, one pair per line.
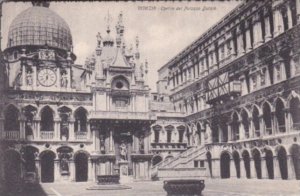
29, 78
64, 80
123, 151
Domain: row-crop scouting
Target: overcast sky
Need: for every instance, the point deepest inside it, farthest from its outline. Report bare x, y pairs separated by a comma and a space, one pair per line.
163, 31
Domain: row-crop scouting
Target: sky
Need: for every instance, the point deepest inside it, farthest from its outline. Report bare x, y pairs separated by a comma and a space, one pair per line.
164, 28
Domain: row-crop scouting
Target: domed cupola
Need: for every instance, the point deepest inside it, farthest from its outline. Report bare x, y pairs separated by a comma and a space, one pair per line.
39, 26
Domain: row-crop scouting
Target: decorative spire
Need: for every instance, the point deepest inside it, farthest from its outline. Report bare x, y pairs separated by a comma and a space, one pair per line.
120, 30
41, 3
108, 20
137, 42
99, 39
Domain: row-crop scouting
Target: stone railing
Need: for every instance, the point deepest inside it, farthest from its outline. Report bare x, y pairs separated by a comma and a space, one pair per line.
80, 135
122, 115
12, 135
47, 135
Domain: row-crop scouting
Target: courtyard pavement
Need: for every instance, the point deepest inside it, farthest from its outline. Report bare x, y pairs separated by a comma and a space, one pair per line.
227, 187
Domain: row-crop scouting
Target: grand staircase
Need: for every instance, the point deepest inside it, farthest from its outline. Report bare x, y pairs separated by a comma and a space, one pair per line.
182, 165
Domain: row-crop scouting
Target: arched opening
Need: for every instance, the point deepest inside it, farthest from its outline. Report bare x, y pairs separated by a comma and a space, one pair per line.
235, 127
282, 160
255, 119
29, 113
280, 117
224, 128
236, 159
156, 159
295, 113
245, 122
47, 123
209, 162
169, 129
47, 166
269, 163
181, 133
267, 118
257, 162
295, 153
29, 154
225, 165
80, 124
12, 169
81, 167
64, 113
156, 130
11, 122
246, 159
285, 18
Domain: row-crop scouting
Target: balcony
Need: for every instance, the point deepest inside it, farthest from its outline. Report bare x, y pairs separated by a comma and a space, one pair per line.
224, 92
12, 135
47, 135
80, 135
122, 115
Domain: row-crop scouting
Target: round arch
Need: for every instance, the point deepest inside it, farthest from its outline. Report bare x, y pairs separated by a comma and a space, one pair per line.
282, 161
236, 159
256, 154
246, 159
156, 159
295, 153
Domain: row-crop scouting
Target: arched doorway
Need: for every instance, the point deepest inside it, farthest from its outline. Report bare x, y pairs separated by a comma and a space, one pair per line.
282, 160
255, 119
29, 154
208, 157
225, 165
267, 118
235, 127
81, 167
47, 166
269, 163
236, 159
12, 169
156, 159
295, 113
246, 159
280, 116
257, 162
295, 152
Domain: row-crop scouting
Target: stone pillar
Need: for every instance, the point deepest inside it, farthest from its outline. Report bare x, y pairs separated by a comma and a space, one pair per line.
264, 170
38, 169
72, 170
110, 141
233, 172
278, 22
2, 128
57, 128
242, 169
91, 172
291, 168
229, 131
240, 42
58, 82
273, 123
253, 173
38, 129
71, 129
34, 73
289, 15
257, 31
277, 174
248, 38
88, 127
24, 75
147, 142
287, 119
56, 170
22, 129
268, 33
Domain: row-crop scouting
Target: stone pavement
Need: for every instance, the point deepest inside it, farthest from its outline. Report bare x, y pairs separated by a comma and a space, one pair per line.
228, 187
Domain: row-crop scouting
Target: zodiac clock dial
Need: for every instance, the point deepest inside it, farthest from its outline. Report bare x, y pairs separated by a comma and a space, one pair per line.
47, 77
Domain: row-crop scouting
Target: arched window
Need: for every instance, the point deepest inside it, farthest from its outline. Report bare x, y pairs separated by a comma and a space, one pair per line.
235, 127
181, 133
169, 130
285, 18
80, 120
47, 120
267, 118
255, 119
29, 112
280, 117
295, 113
11, 122
156, 130
245, 122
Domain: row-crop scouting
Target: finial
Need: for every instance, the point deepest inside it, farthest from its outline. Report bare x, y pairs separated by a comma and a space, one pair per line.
120, 22
137, 41
99, 39
108, 20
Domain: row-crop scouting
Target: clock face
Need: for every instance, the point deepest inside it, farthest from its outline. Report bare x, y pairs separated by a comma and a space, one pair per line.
47, 77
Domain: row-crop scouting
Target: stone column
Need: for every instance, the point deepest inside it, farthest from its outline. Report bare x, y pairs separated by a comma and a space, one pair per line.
240, 42
278, 22
241, 130
110, 141
34, 73
229, 131
22, 129
273, 123
38, 169
146, 142
251, 127
291, 168
56, 170
24, 75
71, 129
242, 168
268, 33
58, 82
233, 172
88, 127
264, 170
289, 16
262, 126
252, 169
57, 128
72, 170
257, 31
287, 118
248, 37
277, 174
2, 128
91, 170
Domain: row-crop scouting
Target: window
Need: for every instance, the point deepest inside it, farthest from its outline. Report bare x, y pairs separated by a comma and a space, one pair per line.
201, 163
195, 164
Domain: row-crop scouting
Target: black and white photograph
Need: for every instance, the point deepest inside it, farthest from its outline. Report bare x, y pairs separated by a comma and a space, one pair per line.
151, 98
